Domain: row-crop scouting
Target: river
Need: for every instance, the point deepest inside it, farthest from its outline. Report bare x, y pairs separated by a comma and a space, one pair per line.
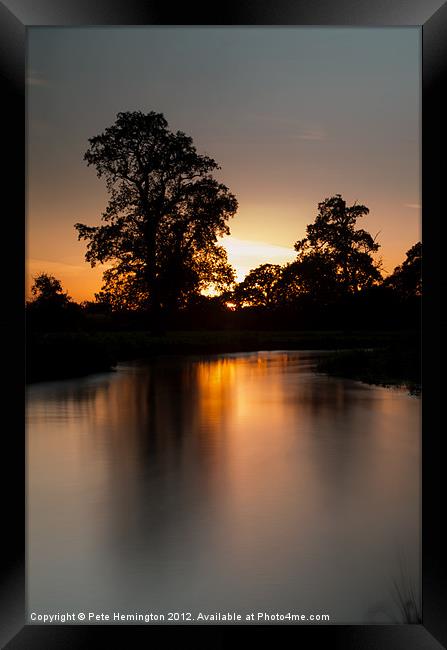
228, 483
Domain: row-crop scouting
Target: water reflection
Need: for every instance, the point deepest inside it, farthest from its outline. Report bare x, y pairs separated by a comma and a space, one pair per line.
237, 482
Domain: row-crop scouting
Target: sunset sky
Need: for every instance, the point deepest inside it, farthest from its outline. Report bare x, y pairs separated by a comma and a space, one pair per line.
292, 115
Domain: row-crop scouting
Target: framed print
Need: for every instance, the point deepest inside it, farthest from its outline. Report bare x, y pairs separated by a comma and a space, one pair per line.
217, 221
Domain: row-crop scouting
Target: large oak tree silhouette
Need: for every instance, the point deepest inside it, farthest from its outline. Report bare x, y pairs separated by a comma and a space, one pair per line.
163, 217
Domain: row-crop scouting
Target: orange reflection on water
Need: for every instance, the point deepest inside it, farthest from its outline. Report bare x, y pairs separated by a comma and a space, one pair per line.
232, 481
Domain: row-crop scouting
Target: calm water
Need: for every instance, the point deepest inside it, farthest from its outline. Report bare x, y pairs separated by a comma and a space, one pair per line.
242, 482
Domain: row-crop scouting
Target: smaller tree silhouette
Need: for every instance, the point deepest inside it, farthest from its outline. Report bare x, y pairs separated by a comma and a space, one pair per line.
312, 276
51, 308
260, 287
47, 291
333, 236
406, 278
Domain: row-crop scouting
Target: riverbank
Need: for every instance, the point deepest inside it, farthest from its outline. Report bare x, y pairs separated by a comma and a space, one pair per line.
398, 366
71, 354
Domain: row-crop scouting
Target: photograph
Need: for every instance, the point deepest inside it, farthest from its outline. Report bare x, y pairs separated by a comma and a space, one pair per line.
223, 306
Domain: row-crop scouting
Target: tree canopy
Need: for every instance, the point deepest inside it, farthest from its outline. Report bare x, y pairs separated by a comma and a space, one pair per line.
163, 218
159, 238
333, 242
406, 278
312, 275
260, 287
50, 308
47, 291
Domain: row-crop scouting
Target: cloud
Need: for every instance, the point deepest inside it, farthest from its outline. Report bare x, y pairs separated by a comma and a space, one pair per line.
36, 79
48, 266
312, 134
309, 132
245, 254
414, 206
275, 119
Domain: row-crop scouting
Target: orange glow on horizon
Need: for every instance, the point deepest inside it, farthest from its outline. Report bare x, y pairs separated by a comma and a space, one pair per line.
81, 281
274, 108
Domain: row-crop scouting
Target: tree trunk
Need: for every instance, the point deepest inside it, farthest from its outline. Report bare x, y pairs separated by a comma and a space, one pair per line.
153, 303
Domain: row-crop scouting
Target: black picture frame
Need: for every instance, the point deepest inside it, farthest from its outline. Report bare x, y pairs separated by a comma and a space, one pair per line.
15, 17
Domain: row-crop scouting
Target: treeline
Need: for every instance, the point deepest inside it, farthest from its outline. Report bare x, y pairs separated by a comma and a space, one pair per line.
270, 297
159, 235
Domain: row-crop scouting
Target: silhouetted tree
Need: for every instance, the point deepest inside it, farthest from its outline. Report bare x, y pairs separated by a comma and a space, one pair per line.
259, 288
406, 278
123, 288
313, 276
47, 291
51, 307
164, 214
333, 240
187, 271
95, 307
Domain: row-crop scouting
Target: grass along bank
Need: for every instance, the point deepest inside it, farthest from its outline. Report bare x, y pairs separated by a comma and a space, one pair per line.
398, 365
